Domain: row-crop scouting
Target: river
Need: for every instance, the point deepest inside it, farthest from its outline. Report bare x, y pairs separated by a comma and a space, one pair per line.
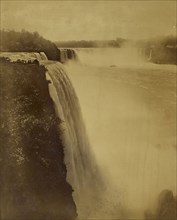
129, 108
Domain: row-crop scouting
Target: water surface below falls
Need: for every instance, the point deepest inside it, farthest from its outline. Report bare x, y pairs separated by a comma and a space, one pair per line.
130, 117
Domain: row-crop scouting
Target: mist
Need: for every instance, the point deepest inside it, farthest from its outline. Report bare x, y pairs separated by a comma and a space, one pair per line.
129, 111
127, 55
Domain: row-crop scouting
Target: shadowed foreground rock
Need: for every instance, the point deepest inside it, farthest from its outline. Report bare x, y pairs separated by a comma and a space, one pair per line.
32, 170
166, 207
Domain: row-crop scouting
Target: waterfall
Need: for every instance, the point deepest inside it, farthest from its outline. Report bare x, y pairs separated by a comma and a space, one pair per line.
110, 57
43, 56
128, 111
67, 54
92, 198
82, 171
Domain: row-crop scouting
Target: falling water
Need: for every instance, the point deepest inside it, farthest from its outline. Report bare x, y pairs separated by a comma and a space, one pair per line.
102, 57
89, 190
82, 171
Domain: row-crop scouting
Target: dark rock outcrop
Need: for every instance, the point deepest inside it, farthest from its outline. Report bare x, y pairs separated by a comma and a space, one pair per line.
166, 207
32, 170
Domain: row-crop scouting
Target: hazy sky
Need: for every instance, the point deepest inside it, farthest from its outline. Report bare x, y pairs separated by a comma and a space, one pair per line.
88, 20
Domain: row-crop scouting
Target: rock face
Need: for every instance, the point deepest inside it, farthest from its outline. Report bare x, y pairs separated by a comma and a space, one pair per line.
32, 170
166, 207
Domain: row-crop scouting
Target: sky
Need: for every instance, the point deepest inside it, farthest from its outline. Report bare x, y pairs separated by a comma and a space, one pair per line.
91, 20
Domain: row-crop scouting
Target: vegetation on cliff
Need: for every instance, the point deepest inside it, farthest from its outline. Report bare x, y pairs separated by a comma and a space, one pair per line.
32, 170
24, 41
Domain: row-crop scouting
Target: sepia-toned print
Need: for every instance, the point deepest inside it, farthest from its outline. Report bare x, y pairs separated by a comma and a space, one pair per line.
88, 110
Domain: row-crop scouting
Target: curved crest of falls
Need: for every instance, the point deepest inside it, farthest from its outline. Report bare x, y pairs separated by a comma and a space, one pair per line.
25, 57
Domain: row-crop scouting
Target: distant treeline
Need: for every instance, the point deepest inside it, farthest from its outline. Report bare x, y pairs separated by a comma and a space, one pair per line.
162, 50
24, 41
90, 44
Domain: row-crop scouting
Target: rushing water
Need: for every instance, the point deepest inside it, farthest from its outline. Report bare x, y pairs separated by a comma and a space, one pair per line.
82, 171
129, 108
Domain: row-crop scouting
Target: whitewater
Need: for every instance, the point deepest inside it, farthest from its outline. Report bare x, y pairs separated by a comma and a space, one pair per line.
129, 108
